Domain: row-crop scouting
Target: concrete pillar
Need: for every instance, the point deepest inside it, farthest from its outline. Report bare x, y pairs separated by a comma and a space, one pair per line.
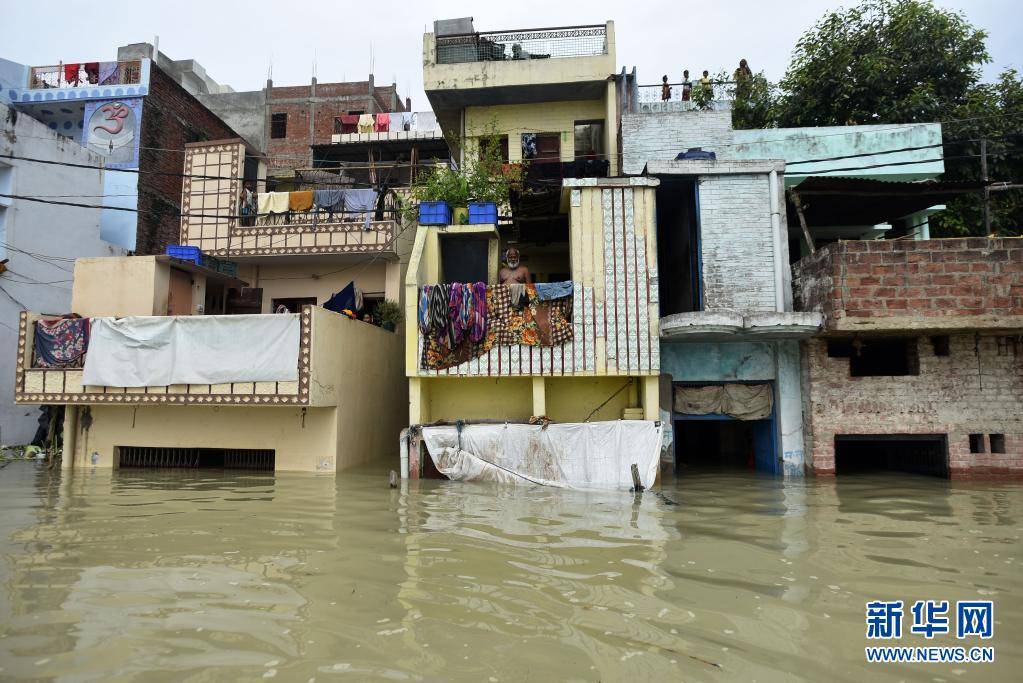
67, 456
789, 407
539, 396
611, 126
651, 397
418, 401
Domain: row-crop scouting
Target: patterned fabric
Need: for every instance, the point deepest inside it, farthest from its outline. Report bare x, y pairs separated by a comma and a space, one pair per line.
454, 315
439, 313
424, 309
546, 291
61, 343
478, 328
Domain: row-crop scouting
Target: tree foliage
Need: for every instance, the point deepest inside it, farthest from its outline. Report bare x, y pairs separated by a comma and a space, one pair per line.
881, 61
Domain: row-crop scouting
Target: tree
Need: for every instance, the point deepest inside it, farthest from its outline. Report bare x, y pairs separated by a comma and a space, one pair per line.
753, 102
882, 61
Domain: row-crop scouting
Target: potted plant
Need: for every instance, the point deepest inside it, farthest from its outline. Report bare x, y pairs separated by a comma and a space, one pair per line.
389, 314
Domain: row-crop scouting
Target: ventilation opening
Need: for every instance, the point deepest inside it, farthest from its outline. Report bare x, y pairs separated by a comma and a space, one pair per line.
976, 443
877, 356
914, 453
997, 443
196, 458
940, 344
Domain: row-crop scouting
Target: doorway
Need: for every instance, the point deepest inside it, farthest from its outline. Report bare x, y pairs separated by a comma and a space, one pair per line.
678, 246
722, 442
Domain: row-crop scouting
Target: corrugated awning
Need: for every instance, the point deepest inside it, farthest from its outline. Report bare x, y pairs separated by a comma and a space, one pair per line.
831, 200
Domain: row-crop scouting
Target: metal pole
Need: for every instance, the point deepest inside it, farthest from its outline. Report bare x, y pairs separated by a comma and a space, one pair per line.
987, 190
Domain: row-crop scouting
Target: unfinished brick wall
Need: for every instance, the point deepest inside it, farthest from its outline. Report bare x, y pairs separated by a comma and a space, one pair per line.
882, 283
661, 136
171, 117
966, 392
319, 103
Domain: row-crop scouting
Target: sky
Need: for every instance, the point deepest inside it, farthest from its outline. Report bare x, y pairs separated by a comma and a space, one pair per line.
237, 42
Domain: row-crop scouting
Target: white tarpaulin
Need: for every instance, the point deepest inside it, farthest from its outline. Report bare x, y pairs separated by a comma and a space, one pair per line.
148, 351
595, 455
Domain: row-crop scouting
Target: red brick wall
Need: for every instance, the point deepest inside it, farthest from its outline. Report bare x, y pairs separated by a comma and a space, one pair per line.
294, 150
960, 394
928, 278
171, 117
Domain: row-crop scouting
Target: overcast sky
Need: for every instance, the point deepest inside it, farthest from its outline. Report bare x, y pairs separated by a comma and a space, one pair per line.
237, 41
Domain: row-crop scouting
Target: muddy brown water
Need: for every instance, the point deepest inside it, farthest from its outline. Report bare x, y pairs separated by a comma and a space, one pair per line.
161, 576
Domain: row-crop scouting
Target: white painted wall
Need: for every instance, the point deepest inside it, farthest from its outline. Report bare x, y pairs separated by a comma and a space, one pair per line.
41, 241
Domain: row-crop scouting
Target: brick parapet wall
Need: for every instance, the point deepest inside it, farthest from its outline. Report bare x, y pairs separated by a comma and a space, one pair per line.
171, 117
966, 392
888, 284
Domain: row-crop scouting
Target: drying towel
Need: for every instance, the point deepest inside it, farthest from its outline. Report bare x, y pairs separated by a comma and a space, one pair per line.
382, 123
92, 72
423, 310
547, 291
349, 123
424, 120
405, 120
359, 201
366, 123
300, 201
332, 200
61, 343
270, 203
107, 73
71, 74
342, 300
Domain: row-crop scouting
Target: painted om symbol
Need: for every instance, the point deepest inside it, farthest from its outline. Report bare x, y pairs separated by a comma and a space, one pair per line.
116, 113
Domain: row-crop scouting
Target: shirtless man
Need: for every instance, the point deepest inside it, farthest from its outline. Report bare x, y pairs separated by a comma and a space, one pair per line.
514, 273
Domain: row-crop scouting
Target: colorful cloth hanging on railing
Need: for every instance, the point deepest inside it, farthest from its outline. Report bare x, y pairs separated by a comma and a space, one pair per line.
460, 322
61, 343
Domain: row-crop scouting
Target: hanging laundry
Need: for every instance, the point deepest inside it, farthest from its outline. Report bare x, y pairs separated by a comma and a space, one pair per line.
406, 120
424, 121
454, 327
366, 123
349, 123
343, 300
439, 313
108, 73
359, 201
517, 292
547, 291
300, 201
478, 330
71, 75
423, 310
269, 204
92, 72
382, 123
61, 343
466, 312
331, 200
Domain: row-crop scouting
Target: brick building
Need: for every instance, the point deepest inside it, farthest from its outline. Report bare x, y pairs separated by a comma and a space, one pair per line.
920, 367
286, 122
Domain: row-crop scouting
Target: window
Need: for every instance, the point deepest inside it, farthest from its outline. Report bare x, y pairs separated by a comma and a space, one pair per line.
278, 126
502, 144
877, 356
997, 442
940, 345
589, 139
544, 147
976, 443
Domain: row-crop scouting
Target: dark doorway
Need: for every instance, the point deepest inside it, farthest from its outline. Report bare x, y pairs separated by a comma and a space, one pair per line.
725, 444
678, 247
464, 259
244, 301
914, 453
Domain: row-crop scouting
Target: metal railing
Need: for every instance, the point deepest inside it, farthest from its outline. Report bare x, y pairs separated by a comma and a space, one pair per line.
85, 74
692, 92
545, 43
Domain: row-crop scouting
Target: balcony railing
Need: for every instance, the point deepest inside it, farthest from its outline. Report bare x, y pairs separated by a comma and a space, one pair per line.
547, 43
683, 96
85, 74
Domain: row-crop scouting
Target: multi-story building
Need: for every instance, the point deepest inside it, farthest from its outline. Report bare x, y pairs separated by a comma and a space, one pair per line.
271, 379
40, 238
137, 116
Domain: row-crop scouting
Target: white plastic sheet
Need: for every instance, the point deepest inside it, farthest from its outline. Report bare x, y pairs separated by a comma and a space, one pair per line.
597, 455
141, 351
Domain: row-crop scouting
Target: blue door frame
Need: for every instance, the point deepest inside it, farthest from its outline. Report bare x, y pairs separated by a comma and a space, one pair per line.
765, 431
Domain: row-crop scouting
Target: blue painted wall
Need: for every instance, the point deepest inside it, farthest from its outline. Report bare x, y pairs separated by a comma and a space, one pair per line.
709, 361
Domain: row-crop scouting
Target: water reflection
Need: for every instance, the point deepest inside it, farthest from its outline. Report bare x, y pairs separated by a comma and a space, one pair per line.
175, 575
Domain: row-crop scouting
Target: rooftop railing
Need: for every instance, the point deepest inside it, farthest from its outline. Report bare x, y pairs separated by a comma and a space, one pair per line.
85, 74
545, 43
693, 91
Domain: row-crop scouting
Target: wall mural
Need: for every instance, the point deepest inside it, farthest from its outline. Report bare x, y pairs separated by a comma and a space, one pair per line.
112, 129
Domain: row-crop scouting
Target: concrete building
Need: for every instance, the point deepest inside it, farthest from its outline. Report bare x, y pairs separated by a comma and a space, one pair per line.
344, 404
138, 116
39, 241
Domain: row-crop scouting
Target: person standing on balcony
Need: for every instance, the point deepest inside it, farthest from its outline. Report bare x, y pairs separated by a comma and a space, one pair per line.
665, 89
743, 73
514, 273
687, 86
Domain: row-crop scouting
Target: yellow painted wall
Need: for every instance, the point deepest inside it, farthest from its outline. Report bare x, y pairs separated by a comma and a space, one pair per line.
293, 278
571, 399
120, 286
310, 447
548, 117
480, 398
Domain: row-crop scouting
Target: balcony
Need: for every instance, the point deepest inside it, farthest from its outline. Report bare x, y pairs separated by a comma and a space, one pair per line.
523, 44
893, 285
82, 81
319, 381
648, 99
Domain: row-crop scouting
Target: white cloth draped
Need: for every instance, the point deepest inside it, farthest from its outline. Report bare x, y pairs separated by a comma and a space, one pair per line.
147, 351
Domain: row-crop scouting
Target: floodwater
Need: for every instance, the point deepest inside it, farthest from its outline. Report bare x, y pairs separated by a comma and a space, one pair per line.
161, 576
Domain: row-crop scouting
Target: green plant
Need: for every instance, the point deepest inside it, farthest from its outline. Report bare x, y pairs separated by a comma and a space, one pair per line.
388, 311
